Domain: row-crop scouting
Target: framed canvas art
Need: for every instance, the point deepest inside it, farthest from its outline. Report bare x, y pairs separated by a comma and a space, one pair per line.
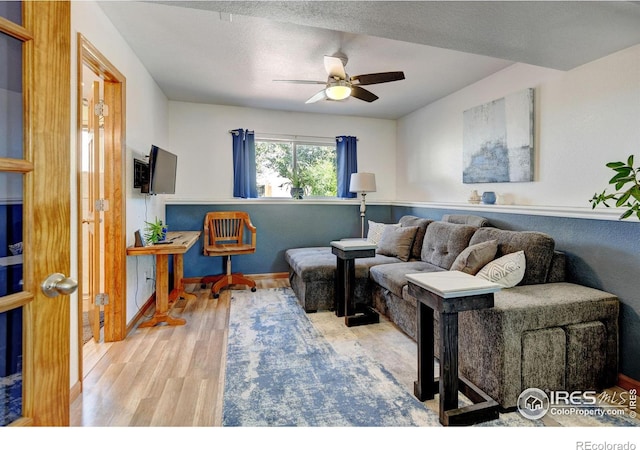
498, 140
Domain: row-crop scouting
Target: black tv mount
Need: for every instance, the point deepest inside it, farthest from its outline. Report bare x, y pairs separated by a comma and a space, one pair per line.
140, 173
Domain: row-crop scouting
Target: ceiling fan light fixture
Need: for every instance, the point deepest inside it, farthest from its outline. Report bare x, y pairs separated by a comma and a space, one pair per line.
338, 90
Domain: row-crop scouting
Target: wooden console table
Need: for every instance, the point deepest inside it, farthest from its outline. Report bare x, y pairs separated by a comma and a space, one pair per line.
178, 243
449, 293
346, 252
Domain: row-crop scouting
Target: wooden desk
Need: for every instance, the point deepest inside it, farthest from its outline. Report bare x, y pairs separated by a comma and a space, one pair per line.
449, 293
180, 243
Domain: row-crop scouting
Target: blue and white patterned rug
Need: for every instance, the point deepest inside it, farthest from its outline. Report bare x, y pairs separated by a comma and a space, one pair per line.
282, 372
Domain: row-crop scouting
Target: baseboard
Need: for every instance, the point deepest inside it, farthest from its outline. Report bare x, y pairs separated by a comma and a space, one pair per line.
151, 301
75, 391
256, 277
628, 383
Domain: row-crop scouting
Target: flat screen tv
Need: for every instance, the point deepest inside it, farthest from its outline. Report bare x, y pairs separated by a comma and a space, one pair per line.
162, 172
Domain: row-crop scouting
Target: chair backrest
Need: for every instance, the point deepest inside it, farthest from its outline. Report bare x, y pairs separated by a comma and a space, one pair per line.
226, 229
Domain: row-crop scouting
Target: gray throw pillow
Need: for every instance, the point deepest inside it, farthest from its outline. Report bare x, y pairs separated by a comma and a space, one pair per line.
397, 241
475, 257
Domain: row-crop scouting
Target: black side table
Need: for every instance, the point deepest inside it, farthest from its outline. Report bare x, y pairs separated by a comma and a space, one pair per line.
449, 293
346, 252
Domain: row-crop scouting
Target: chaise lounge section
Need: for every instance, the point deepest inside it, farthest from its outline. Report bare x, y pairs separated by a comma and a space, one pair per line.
543, 332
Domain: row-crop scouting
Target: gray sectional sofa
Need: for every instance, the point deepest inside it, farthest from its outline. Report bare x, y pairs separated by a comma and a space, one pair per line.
544, 332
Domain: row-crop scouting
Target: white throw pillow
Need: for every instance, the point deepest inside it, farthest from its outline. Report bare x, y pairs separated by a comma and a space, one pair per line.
507, 270
374, 234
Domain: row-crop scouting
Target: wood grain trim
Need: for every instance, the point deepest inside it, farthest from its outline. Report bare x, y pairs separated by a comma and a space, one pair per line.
15, 165
114, 181
47, 122
255, 277
628, 383
14, 30
13, 301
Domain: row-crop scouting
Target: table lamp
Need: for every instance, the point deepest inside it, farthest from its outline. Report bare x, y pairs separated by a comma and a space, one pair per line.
362, 182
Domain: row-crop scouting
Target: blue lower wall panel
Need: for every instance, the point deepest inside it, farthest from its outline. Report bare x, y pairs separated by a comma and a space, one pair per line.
603, 254
280, 227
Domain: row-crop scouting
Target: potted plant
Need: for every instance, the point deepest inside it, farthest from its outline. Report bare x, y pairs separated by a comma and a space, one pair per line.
297, 185
155, 231
627, 186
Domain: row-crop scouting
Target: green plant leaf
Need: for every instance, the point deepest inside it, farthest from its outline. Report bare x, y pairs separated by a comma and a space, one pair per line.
625, 214
630, 160
613, 165
623, 198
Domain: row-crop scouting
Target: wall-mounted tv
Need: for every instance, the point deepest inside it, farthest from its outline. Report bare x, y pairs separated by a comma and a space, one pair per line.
162, 172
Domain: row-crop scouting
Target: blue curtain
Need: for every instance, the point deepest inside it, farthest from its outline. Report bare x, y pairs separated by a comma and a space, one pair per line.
347, 162
244, 164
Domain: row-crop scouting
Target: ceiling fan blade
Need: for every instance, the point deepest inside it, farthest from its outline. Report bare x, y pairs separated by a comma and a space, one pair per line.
334, 67
301, 81
375, 78
363, 94
317, 97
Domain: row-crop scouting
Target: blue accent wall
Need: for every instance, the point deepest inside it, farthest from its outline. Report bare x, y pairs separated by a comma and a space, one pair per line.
280, 227
602, 254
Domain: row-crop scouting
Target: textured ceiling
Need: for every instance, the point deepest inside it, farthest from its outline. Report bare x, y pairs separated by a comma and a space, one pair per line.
230, 52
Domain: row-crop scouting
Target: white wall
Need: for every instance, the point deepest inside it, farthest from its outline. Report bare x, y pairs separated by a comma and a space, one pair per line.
584, 118
146, 124
201, 139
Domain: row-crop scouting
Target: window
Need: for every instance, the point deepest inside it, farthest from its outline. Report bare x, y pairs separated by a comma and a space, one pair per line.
285, 164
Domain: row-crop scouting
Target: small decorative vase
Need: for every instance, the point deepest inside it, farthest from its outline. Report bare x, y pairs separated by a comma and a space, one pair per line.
297, 193
488, 198
474, 198
163, 235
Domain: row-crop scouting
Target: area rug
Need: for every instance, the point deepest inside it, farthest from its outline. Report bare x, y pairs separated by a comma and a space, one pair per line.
281, 372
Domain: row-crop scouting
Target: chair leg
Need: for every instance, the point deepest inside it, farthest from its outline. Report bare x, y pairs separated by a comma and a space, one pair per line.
222, 281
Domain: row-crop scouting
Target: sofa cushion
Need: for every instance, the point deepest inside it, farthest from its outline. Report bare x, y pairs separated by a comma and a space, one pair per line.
444, 241
392, 276
538, 249
507, 270
475, 257
397, 241
375, 230
421, 223
319, 263
466, 219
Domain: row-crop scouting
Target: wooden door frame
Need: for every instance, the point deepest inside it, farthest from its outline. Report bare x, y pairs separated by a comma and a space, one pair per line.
114, 185
47, 118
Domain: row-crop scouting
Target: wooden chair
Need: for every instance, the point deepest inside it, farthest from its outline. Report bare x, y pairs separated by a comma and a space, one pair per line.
224, 235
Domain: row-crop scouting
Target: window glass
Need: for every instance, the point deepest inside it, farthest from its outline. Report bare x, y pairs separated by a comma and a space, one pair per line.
11, 10
283, 165
10, 233
10, 97
10, 366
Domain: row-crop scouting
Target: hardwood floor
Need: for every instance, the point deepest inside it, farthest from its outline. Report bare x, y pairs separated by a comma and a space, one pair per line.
162, 376
174, 376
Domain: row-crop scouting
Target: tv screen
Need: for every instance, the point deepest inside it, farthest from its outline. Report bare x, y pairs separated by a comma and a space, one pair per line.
162, 171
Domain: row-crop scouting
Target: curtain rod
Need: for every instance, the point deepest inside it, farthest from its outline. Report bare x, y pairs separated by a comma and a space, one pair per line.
288, 136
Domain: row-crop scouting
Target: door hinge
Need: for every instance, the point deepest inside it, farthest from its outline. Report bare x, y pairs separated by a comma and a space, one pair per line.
102, 204
100, 109
101, 299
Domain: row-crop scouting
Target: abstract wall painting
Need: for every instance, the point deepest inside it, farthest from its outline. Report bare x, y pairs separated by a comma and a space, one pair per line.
498, 140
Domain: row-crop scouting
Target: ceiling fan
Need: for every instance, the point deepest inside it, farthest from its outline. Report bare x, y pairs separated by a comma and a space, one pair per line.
340, 86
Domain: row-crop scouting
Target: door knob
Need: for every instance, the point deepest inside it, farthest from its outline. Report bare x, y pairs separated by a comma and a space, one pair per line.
57, 284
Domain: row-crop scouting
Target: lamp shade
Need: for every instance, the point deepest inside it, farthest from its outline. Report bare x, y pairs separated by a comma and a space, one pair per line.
362, 182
